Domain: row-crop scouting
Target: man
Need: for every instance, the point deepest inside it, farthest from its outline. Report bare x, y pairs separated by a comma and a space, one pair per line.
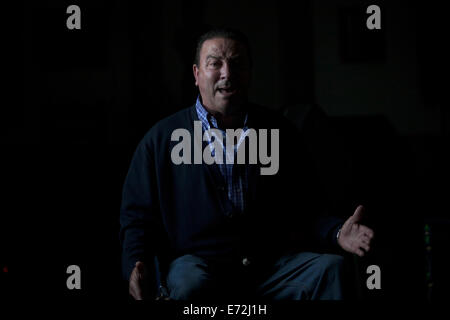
224, 230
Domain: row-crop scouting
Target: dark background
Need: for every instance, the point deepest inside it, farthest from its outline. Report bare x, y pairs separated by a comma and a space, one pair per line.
77, 102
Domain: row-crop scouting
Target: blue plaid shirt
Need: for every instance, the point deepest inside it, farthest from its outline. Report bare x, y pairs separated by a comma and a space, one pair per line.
236, 177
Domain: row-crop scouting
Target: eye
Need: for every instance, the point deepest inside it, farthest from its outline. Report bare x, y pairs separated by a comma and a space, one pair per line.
214, 63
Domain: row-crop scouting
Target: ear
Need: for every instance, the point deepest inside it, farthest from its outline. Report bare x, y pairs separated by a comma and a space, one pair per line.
195, 70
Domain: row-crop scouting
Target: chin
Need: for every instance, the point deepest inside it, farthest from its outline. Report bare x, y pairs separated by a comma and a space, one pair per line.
227, 104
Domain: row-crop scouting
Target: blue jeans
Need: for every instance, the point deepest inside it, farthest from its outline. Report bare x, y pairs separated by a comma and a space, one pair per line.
298, 276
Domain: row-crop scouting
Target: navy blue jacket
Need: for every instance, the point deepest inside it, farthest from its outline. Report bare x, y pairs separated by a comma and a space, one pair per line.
170, 210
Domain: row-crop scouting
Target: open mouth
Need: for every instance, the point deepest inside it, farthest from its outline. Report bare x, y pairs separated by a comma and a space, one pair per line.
227, 91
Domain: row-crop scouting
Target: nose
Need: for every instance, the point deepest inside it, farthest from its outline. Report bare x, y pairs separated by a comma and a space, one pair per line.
225, 71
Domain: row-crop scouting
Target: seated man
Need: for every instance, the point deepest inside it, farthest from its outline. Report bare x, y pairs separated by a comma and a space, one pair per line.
223, 224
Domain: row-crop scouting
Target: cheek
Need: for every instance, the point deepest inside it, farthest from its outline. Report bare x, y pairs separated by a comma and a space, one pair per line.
207, 81
211, 78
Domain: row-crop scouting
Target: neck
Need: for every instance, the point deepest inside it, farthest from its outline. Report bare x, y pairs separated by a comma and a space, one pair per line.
231, 117
230, 122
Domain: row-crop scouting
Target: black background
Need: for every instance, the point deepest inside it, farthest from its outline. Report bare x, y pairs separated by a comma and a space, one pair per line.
77, 102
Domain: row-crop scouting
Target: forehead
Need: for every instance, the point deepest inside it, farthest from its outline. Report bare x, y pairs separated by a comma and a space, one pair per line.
222, 47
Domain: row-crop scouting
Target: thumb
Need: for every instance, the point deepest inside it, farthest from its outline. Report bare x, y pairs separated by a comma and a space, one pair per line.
358, 215
140, 267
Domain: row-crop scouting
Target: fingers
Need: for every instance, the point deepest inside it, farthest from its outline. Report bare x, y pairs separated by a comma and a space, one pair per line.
366, 231
359, 252
366, 239
140, 266
355, 237
135, 287
360, 249
365, 246
136, 279
362, 245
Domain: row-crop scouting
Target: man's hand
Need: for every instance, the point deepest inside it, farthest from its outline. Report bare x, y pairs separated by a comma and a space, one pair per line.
355, 237
137, 278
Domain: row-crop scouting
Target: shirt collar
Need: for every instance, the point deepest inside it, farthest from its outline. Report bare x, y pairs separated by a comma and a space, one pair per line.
207, 118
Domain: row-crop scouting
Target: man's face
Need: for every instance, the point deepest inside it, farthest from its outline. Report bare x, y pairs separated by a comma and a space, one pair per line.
223, 74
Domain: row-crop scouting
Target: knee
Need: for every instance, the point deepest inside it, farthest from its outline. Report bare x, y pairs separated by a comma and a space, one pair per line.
188, 278
188, 287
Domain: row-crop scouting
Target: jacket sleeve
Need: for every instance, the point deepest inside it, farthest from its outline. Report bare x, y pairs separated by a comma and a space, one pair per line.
139, 212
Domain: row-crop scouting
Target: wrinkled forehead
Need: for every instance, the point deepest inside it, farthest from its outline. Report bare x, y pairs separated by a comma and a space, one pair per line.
223, 48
